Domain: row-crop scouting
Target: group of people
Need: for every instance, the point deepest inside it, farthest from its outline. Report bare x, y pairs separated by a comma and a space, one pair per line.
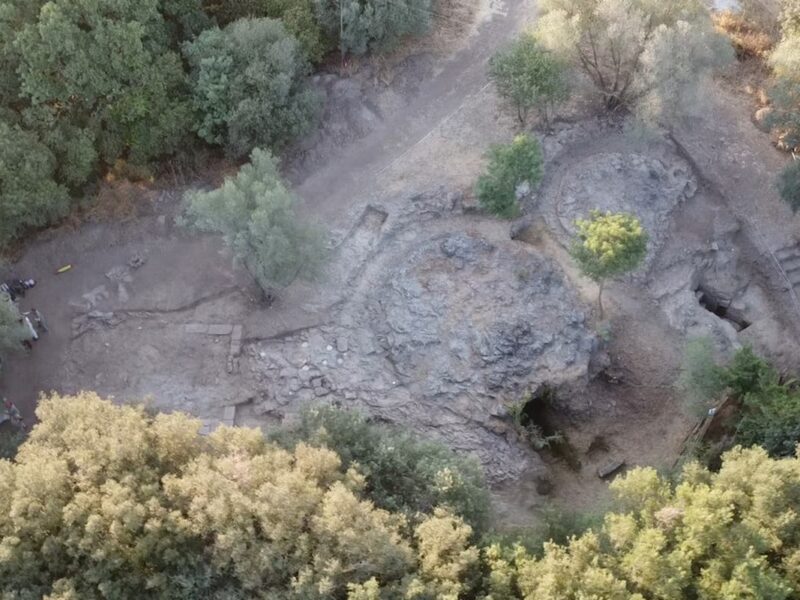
11, 412
32, 321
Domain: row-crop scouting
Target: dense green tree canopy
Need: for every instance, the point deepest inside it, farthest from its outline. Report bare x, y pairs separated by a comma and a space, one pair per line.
107, 67
29, 194
607, 245
249, 85
12, 332
108, 502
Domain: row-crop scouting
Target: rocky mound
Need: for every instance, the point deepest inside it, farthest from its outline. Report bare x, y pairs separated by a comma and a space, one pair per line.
451, 321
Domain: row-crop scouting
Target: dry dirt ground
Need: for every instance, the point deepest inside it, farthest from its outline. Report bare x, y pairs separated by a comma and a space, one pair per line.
430, 315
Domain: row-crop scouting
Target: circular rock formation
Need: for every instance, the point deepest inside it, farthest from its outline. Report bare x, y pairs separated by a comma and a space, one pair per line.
633, 183
442, 330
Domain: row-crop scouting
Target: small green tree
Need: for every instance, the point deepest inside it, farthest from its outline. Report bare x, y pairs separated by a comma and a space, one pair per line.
789, 185
249, 86
607, 245
510, 165
528, 76
254, 212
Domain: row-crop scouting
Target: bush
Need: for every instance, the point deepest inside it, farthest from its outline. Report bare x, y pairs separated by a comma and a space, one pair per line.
373, 25
651, 56
249, 86
403, 474
770, 408
510, 165
528, 76
771, 419
254, 212
29, 195
297, 16
702, 380
748, 373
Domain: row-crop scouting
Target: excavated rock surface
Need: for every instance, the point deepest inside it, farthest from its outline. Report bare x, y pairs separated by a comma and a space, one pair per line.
447, 322
645, 186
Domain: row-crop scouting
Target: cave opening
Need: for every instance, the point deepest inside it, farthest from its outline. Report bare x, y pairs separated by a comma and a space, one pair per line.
719, 304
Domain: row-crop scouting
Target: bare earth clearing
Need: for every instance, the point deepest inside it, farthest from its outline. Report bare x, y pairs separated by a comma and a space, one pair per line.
430, 315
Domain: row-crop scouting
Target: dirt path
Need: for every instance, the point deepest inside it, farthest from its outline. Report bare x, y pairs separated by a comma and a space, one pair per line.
329, 192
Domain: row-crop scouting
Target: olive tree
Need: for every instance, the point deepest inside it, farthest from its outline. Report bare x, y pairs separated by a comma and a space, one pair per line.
644, 54
255, 213
607, 245
510, 165
529, 77
249, 85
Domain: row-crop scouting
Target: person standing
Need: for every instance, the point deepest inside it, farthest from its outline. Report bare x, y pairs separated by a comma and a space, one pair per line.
38, 320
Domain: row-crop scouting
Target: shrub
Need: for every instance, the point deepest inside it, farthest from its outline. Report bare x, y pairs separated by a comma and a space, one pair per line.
29, 195
652, 56
771, 419
403, 474
528, 76
702, 380
254, 212
373, 25
297, 16
510, 165
249, 86
748, 373
789, 185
